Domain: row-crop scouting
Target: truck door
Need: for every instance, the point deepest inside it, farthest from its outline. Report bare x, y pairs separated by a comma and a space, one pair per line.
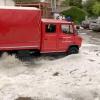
49, 37
66, 37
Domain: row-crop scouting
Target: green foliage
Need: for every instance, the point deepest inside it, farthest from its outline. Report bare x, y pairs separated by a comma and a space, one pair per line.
77, 3
88, 7
96, 8
26, 0
92, 7
65, 3
75, 13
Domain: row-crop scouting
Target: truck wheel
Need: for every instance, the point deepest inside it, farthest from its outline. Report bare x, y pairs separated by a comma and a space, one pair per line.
73, 50
1, 54
36, 53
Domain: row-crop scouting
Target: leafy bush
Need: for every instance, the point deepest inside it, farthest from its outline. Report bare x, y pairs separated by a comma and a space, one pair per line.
96, 8
75, 13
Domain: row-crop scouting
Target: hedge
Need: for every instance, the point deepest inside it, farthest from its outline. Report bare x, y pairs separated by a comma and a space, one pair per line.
76, 14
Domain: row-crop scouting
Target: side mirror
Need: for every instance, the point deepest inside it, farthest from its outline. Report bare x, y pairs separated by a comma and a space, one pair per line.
77, 27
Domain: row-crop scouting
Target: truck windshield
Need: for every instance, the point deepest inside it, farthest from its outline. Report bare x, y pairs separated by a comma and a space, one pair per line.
67, 29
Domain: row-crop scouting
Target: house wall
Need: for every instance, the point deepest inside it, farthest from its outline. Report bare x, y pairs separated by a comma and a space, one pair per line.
7, 3
55, 5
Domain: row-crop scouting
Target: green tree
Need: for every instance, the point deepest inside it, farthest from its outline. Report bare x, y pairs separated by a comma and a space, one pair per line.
88, 7
75, 13
65, 3
96, 8
77, 3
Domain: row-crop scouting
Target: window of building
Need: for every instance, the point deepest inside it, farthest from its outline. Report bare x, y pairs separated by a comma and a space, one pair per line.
50, 28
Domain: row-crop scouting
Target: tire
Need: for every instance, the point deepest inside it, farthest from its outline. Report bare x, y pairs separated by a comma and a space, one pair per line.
1, 53
73, 50
37, 54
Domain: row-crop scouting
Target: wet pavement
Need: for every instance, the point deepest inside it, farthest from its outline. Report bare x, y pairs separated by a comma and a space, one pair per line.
90, 37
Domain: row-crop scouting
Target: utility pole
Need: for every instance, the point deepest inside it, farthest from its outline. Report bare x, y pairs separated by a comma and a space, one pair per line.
51, 4
54, 5
5, 2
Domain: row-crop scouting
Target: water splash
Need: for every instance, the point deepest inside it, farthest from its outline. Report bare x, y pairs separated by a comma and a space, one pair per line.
11, 66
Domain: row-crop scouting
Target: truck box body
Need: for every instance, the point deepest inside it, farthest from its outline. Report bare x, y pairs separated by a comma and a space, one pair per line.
20, 28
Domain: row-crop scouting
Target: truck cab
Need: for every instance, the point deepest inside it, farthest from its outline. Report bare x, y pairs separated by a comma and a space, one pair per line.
59, 36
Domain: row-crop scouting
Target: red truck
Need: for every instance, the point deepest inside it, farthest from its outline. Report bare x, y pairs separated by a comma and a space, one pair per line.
22, 28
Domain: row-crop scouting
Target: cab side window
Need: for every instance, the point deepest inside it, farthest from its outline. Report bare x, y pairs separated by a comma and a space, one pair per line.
67, 29
50, 28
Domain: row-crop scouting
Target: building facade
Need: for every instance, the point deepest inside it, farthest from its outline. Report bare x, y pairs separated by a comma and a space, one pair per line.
48, 7
41, 5
55, 5
7, 3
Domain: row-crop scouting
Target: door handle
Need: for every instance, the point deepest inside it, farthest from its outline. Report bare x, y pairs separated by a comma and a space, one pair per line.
45, 38
60, 38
